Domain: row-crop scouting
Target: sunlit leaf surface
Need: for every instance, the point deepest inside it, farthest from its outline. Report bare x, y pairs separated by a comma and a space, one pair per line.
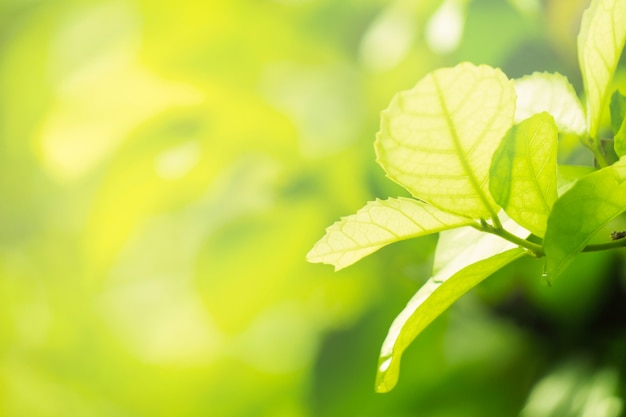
523, 172
380, 223
600, 43
438, 138
581, 212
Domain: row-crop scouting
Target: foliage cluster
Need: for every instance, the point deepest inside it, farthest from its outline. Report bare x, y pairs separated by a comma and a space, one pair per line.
478, 152
165, 165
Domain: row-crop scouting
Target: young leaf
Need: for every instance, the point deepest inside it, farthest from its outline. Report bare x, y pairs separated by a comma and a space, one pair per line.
618, 111
600, 43
591, 203
551, 93
426, 305
438, 138
523, 172
380, 223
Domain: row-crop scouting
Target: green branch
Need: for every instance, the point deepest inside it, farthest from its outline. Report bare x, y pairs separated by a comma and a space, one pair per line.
614, 244
498, 230
598, 152
537, 249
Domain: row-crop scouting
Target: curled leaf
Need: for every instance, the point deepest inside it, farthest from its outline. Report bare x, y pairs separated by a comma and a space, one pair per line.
426, 305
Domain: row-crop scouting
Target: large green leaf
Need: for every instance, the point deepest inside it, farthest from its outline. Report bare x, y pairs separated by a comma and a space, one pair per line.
600, 43
438, 138
618, 111
552, 93
426, 305
581, 212
380, 223
523, 172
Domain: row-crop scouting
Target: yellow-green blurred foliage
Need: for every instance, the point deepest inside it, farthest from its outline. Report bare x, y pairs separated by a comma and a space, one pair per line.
166, 165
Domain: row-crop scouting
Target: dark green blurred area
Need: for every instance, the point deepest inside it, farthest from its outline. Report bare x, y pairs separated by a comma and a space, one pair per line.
165, 167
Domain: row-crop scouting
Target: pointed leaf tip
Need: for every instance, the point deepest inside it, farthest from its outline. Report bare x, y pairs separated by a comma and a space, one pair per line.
426, 305
378, 224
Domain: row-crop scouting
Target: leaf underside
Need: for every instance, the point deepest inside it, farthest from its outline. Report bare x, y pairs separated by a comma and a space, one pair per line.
437, 139
426, 305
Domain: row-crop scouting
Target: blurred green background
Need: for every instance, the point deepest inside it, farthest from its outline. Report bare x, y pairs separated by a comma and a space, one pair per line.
164, 168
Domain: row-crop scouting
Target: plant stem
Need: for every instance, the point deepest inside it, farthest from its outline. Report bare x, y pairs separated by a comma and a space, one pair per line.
600, 155
614, 244
537, 250
497, 224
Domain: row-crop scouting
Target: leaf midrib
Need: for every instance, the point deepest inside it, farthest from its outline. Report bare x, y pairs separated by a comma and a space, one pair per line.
459, 149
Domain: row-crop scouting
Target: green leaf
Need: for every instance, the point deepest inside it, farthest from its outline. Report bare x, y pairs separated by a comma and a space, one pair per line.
600, 44
618, 111
523, 172
380, 223
438, 138
591, 203
551, 93
426, 305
